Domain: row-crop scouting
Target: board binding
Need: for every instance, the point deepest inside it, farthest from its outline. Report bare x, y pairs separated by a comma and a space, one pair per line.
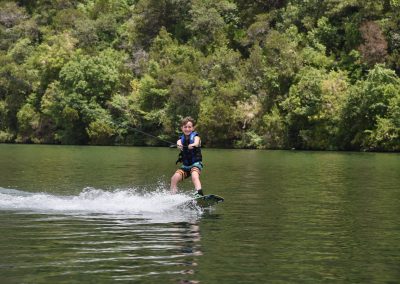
203, 201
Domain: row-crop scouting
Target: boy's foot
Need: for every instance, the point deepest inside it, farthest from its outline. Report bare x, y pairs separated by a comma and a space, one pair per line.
196, 195
199, 193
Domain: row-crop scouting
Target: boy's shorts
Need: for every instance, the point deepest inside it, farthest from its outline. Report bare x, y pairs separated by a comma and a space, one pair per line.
186, 171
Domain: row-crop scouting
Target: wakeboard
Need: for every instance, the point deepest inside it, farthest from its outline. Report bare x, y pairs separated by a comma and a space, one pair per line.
203, 201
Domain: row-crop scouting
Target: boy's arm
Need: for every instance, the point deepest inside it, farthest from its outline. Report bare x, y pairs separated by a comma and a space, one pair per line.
179, 144
197, 143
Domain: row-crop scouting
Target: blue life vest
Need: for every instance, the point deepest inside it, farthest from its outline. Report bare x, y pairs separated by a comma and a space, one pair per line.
189, 156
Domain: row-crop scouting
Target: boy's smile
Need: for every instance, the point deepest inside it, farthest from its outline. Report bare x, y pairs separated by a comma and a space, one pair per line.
187, 128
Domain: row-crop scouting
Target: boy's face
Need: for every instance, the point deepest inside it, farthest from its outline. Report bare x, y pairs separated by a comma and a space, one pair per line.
187, 128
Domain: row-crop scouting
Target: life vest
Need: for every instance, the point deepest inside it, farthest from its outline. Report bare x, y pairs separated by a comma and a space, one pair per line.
189, 156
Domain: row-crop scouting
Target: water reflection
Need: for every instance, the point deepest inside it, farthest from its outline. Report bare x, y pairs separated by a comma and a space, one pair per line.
120, 235
108, 248
288, 217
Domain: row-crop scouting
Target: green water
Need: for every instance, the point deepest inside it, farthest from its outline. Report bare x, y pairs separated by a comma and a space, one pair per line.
102, 214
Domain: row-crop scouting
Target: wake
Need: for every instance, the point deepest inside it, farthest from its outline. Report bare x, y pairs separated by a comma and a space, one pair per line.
127, 202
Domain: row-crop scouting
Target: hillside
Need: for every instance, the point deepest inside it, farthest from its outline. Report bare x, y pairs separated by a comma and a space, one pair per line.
254, 74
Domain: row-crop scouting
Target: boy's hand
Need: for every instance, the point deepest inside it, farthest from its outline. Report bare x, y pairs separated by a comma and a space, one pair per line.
179, 145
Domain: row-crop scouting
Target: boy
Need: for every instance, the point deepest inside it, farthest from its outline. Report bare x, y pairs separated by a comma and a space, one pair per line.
190, 156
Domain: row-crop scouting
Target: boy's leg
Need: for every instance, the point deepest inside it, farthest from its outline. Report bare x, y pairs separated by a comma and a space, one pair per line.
177, 177
195, 173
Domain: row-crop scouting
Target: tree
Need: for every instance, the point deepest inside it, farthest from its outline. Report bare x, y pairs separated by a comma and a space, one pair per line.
148, 17
96, 77
49, 58
215, 122
28, 123
249, 10
12, 19
15, 85
313, 108
100, 128
64, 112
185, 95
281, 62
78, 102
374, 48
371, 111
209, 23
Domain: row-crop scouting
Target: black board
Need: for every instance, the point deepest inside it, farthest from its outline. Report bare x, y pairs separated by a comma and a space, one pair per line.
203, 201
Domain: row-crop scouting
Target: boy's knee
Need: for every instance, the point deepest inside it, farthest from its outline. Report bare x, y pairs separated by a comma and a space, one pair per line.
195, 176
195, 171
178, 176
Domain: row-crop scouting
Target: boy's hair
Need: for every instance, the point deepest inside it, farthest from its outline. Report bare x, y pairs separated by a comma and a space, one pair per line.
186, 120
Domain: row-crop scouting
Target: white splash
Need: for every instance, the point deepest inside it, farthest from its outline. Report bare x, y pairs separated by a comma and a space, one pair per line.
128, 202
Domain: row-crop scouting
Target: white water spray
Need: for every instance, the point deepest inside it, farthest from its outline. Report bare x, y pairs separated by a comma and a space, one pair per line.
93, 201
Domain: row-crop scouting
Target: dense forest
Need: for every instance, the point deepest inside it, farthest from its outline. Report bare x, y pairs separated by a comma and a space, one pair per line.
267, 74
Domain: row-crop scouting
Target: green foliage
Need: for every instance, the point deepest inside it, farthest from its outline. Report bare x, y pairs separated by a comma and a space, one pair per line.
250, 139
249, 10
150, 98
78, 102
221, 66
94, 77
254, 74
371, 109
172, 57
215, 122
6, 137
257, 31
325, 33
209, 23
14, 24
385, 137
217, 114
274, 130
100, 128
313, 108
185, 95
14, 87
65, 113
150, 16
3, 115
271, 67
28, 122
21, 50
50, 57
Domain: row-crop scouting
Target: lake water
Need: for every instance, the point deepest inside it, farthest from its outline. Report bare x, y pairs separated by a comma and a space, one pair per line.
72, 214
